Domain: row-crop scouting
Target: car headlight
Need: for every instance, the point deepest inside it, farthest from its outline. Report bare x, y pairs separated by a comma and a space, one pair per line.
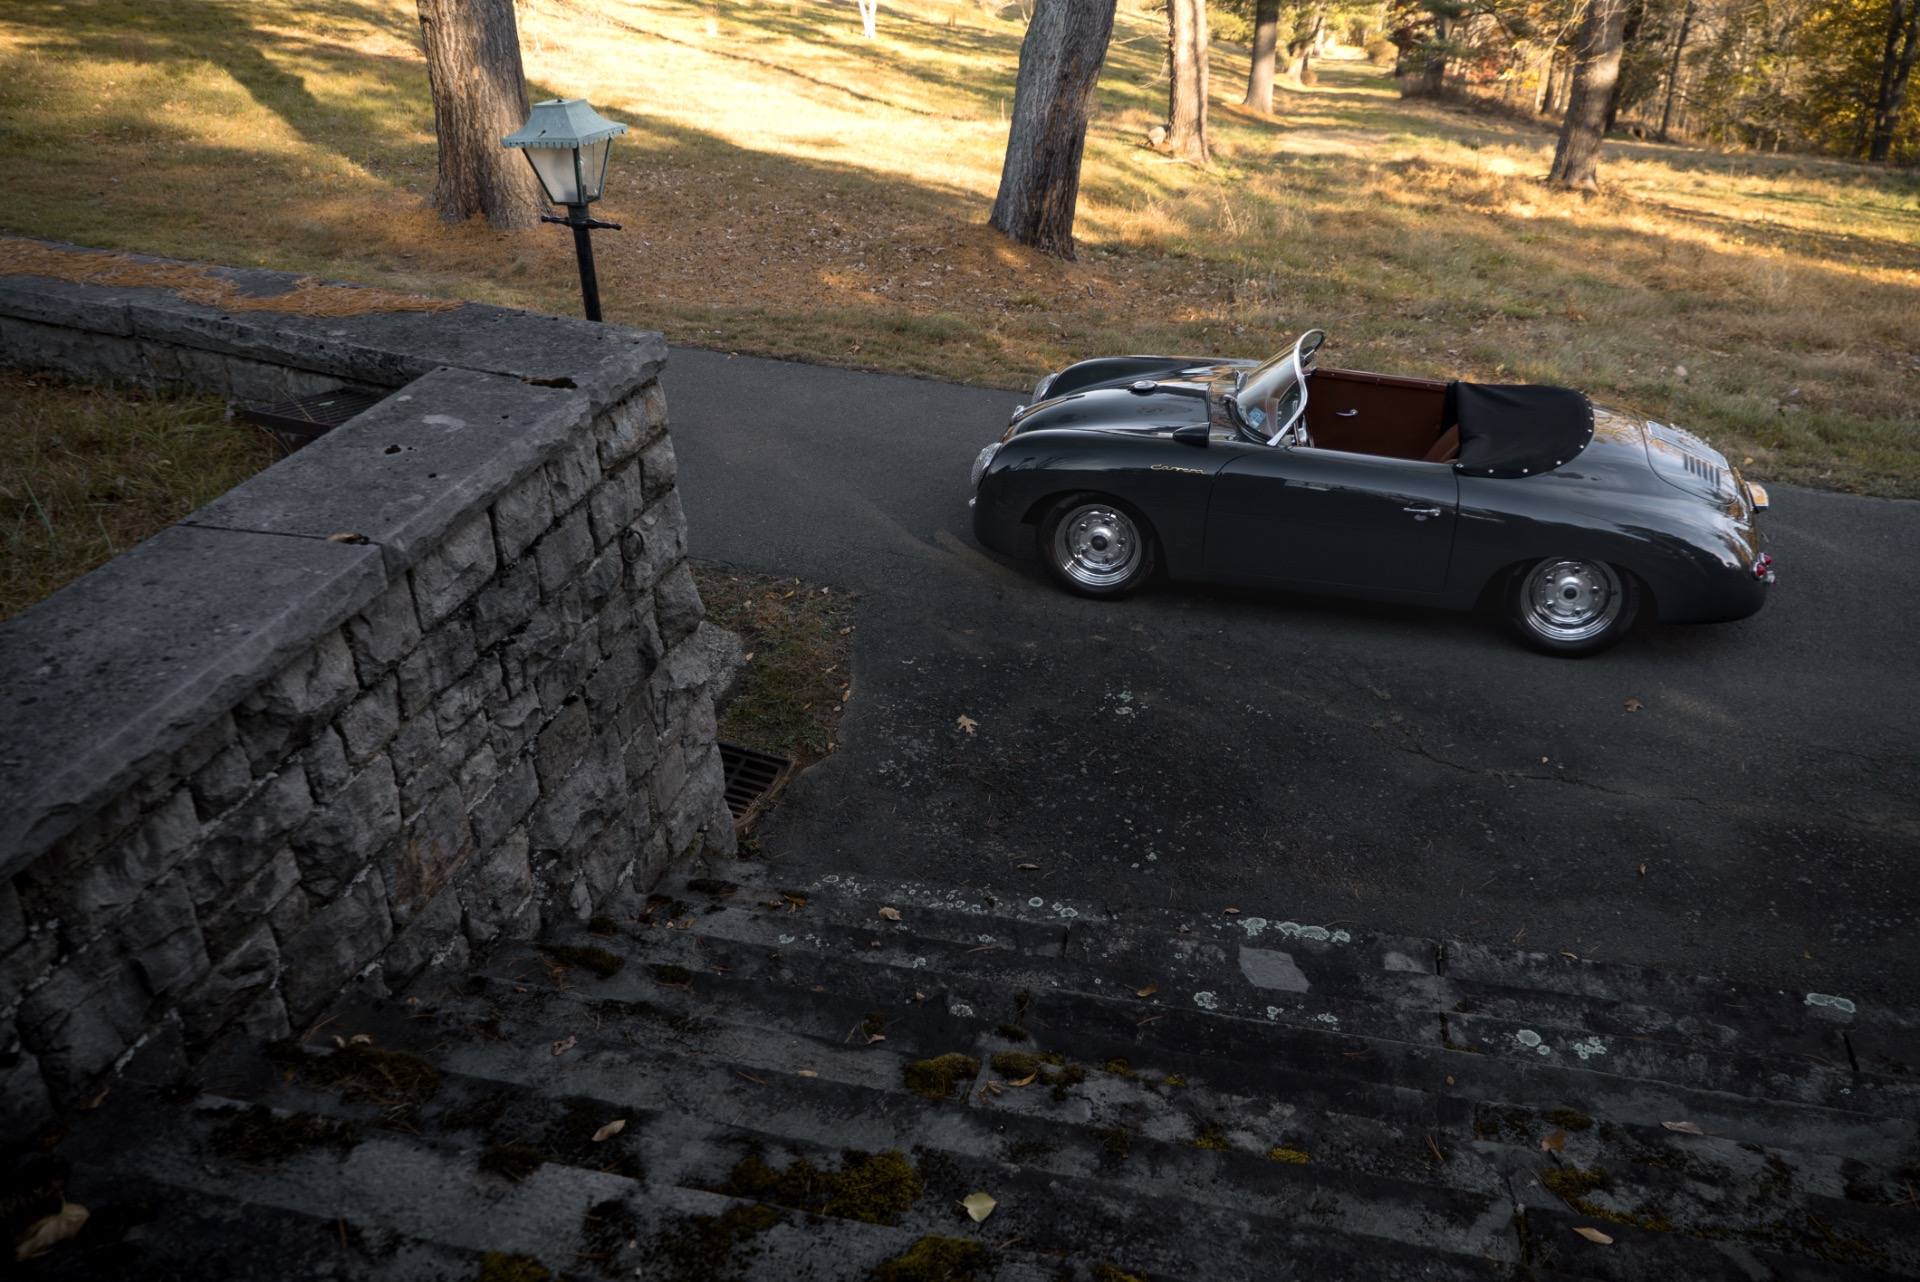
980, 463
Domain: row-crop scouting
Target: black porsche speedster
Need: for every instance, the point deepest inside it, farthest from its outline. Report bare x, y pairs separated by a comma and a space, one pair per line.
1287, 475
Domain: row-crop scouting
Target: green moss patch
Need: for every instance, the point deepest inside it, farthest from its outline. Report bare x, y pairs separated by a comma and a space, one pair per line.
935, 1259
1117, 1140
1109, 1272
602, 924
605, 1231
1289, 1153
260, 1138
671, 975
711, 1248
498, 1266
1214, 1136
1049, 1070
1014, 1033
873, 1188
1571, 1119
393, 1081
935, 1078
591, 957
791, 692
1575, 1186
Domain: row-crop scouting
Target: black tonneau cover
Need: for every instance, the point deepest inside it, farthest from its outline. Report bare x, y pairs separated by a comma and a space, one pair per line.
1516, 429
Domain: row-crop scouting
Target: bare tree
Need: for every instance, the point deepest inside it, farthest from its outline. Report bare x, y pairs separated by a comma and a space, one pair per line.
1673, 70
1576, 160
1266, 33
1187, 88
1060, 63
479, 97
869, 13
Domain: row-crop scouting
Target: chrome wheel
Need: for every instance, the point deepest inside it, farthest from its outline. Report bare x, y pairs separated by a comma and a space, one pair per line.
1571, 601
1098, 546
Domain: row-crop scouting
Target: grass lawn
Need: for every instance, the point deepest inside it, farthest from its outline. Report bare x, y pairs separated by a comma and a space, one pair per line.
792, 189
85, 474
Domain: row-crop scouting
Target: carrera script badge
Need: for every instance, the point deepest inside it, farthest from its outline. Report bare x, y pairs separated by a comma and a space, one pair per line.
1168, 467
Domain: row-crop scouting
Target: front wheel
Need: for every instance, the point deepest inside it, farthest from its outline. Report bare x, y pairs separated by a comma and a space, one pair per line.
1572, 607
1096, 547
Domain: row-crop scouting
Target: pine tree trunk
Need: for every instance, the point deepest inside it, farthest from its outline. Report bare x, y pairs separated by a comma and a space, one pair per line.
1052, 99
1187, 89
479, 97
1266, 31
1576, 160
1628, 34
1896, 64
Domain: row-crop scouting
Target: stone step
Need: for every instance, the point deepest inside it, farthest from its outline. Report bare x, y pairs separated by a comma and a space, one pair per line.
139, 1228
1706, 1184
1334, 1068
449, 1210
1313, 984
1531, 988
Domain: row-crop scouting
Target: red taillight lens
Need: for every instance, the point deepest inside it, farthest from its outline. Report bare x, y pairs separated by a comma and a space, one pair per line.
1763, 568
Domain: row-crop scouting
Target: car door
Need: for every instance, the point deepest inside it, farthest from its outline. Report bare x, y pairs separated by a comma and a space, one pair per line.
1325, 519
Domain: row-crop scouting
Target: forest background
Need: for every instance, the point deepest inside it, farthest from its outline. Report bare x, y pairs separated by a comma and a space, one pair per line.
793, 186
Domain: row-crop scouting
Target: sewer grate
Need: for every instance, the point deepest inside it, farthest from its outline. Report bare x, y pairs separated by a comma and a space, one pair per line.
752, 779
307, 418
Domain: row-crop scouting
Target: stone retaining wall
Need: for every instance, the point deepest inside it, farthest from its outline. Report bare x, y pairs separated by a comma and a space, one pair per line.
401, 694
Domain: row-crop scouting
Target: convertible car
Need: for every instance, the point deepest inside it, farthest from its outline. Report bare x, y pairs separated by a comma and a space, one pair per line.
1575, 517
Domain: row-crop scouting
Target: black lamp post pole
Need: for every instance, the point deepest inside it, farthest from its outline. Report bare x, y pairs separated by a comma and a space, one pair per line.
583, 250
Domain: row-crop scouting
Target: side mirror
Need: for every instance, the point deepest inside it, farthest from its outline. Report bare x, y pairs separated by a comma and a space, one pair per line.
1192, 434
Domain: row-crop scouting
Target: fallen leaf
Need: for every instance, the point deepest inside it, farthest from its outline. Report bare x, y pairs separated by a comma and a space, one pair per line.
346, 536
979, 1205
919, 996
1025, 1081
50, 1231
891, 914
1449, 1081
339, 1042
1685, 1128
564, 1045
1231, 912
610, 1130
360, 1039
966, 723
1148, 991
1565, 953
1543, 761
875, 1037
1029, 867
97, 1100
1555, 1142
1643, 870
1633, 705
1593, 1235
1185, 929
804, 1072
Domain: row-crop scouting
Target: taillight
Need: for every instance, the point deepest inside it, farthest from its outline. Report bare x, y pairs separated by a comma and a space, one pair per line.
1763, 568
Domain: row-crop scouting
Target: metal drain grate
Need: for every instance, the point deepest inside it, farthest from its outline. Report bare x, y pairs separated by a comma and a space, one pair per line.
752, 778
304, 420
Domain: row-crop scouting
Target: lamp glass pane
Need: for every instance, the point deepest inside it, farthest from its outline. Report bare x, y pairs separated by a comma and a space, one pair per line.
555, 167
593, 166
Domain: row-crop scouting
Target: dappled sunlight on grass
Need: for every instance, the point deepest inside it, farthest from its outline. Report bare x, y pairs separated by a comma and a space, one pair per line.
790, 188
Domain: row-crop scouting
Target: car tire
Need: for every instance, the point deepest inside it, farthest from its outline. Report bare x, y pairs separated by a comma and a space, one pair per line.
1096, 546
1571, 606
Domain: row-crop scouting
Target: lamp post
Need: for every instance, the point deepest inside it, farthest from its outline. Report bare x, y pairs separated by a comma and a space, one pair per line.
568, 142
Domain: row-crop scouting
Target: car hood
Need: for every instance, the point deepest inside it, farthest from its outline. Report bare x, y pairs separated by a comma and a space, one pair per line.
1152, 403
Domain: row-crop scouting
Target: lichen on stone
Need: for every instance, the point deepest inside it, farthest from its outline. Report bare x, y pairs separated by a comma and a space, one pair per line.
1289, 1153
499, 1266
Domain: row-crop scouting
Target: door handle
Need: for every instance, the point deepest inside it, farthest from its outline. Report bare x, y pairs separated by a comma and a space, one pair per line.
1345, 413
1421, 513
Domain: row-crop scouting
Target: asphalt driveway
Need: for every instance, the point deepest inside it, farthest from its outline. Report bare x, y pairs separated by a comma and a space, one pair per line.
1757, 816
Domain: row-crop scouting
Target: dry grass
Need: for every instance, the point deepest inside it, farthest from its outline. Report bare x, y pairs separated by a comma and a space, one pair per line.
85, 474
792, 189
798, 675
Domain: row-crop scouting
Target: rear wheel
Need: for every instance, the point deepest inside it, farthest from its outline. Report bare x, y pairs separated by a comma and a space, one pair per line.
1571, 606
1095, 546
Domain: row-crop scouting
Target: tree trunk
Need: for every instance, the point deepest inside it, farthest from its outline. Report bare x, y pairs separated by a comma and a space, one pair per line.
1596, 68
1187, 87
1311, 47
1628, 34
1266, 30
1896, 64
479, 97
1433, 72
1052, 99
1673, 69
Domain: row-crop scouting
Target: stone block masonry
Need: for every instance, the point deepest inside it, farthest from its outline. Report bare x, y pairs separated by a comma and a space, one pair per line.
425, 684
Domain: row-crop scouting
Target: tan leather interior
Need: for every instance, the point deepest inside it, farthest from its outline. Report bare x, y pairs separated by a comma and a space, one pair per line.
1446, 449
1382, 414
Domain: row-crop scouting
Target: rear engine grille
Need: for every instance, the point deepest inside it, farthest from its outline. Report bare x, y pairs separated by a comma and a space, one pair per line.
1706, 471
752, 779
